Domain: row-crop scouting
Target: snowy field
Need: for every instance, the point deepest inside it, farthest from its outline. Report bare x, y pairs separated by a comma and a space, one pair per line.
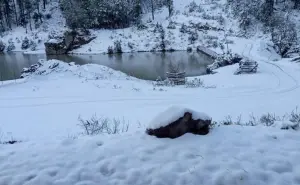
43, 110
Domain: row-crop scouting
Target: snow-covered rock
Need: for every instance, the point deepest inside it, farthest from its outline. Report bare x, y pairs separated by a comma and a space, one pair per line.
177, 121
71, 39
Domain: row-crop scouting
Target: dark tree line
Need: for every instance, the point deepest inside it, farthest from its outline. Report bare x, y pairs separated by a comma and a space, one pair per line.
109, 13
21, 13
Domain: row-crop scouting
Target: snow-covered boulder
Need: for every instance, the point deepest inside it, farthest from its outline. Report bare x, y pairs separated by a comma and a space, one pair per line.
177, 121
55, 47
71, 39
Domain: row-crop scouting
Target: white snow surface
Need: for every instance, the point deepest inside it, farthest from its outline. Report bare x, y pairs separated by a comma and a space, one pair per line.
42, 111
232, 155
172, 114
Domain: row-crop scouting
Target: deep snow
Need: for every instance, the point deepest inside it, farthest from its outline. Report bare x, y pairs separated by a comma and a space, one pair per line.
42, 111
232, 155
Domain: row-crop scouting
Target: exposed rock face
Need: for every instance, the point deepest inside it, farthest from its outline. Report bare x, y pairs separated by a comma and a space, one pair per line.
181, 126
55, 47
71, 39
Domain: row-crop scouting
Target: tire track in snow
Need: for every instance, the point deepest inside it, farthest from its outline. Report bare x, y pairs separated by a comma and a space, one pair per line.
296, 86
296, 83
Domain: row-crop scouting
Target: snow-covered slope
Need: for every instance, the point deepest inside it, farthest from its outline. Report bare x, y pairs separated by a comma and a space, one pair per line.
207, 14
53, 26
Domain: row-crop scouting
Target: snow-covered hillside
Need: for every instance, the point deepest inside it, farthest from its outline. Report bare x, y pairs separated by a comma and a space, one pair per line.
203, 23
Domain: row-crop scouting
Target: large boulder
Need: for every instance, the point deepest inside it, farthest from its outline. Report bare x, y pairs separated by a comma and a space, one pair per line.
177, 121
55, 47
71, 39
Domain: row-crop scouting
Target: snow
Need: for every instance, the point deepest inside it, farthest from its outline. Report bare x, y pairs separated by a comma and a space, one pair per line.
42, 111
55, 41
172, 114
285, 124
231, 155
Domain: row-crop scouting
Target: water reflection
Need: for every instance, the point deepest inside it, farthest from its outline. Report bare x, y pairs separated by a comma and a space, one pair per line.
141, 65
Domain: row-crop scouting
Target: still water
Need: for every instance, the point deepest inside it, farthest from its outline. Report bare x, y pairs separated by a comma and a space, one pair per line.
145, 65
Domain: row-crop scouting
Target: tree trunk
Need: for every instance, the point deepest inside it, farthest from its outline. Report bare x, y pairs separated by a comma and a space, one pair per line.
152, 9
44, 3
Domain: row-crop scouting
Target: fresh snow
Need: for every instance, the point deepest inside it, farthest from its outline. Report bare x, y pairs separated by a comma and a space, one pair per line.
42, 110
146, 40
172, 114
231, 155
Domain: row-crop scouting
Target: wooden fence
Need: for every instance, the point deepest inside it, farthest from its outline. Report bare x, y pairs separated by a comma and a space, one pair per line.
247, 67
176, 78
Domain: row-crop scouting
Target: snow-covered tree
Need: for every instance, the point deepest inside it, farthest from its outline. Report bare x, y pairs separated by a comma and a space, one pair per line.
101, 13
284, 35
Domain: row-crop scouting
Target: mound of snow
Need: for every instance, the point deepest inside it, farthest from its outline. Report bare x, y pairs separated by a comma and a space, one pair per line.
88, 71
285, 125
172, 114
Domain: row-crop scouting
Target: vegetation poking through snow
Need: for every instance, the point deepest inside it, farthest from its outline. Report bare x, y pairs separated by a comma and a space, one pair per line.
103, 125
194, 83
9, 141
118, 46
288, 121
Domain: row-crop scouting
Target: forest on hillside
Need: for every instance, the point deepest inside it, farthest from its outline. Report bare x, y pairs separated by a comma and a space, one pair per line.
273, 15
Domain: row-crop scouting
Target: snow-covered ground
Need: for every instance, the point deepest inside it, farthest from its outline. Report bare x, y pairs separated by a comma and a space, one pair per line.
42, 111
232, 155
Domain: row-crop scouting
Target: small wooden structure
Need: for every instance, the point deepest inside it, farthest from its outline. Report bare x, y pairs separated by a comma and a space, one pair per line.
176, 78
247, 66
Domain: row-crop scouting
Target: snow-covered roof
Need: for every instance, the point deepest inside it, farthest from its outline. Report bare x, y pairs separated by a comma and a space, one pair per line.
172, 114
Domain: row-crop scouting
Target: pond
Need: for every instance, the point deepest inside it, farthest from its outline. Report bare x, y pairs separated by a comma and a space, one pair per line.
144, 65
